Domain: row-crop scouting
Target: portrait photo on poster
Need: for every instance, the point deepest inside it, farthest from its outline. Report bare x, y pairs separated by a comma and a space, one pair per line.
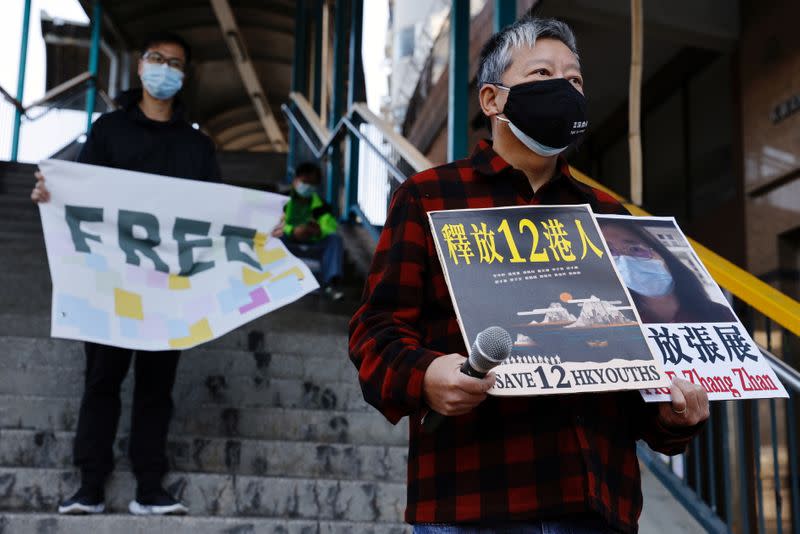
688, 323
666, 280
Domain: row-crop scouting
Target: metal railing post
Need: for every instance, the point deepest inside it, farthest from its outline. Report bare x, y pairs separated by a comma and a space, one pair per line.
505, 13
23, 61
94, 56
319, 61
458, 83
351, 172
334, 161
299, 78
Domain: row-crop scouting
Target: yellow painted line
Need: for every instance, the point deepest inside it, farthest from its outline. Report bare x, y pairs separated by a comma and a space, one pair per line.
782, 309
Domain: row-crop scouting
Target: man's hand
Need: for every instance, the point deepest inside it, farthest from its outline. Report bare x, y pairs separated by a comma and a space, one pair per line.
449, 391
40, 192
306, 232
689, 405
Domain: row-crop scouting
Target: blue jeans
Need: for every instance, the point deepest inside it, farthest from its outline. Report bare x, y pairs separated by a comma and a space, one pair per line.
330, 250
556, 526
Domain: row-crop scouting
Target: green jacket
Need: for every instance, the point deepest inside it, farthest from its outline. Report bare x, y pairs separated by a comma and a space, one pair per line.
300, 211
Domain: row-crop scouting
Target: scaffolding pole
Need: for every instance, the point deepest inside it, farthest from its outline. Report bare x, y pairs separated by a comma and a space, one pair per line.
23, 61
94, 57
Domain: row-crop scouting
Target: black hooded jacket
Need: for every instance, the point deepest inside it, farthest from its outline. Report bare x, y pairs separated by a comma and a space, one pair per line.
127, 139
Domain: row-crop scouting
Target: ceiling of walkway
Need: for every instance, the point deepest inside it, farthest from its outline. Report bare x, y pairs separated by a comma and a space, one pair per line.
215, 94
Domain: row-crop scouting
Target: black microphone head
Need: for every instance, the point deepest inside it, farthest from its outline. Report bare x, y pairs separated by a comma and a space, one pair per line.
491, 347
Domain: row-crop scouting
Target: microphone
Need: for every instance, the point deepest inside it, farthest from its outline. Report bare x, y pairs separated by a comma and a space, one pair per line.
491, 347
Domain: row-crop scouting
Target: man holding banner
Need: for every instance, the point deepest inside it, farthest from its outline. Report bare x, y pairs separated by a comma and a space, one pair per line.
561, 463
148, 134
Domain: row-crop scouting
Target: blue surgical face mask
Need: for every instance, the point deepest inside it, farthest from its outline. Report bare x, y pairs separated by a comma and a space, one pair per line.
646, 276
304, 189
161, 81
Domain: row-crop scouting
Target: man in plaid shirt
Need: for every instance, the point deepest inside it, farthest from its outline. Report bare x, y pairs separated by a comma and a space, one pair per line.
552, 464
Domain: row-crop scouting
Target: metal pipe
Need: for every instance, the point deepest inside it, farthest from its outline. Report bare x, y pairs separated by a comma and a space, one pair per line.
334, 174
299, 72
773, 423
351, 173
794, 472
23, 61
505, 13
125, 79
94, 56
458, 82
757, 458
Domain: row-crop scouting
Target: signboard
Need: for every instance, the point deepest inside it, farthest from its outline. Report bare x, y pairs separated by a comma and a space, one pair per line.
544, 274
156, 263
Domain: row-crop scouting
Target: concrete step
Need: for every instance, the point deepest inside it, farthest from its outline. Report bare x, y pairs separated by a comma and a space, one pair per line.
218, 421
40, 354
36, 490
243, 391
12, 523
191, 454
22, 227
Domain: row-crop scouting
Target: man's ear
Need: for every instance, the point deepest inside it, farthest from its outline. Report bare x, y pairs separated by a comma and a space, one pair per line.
491, 99
139, 67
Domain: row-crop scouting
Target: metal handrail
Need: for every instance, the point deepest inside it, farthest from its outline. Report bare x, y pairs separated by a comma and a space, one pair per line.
60, 89
789, 376
13, 101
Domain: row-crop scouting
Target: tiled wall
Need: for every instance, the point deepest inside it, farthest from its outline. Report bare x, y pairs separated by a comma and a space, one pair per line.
770, 76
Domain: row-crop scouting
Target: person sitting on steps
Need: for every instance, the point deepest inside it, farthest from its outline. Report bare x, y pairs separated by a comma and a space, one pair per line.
310, 227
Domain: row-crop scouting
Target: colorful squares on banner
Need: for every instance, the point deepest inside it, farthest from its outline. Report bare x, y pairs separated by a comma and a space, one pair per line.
135, 275
251, 277
267, 256
179, 282
157, 279
129, 327
127, 304
198, 308
284, 288
259, 298
106, 281
96, 262
77, 313
296, 271
198, 333
232, 298
177, 328
155, 327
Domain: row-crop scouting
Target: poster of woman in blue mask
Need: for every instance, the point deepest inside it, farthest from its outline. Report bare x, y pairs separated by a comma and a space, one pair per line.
657, 264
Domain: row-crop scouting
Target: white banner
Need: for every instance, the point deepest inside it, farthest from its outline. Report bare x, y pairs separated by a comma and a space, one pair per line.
156, 263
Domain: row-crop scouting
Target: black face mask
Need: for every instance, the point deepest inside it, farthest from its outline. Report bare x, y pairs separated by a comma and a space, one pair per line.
546, 116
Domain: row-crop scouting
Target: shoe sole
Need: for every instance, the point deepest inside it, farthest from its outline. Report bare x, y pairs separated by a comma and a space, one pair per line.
141, 509
81, 509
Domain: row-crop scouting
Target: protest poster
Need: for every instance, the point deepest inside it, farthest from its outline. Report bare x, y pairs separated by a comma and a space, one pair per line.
156, 263
543, 273
689, 324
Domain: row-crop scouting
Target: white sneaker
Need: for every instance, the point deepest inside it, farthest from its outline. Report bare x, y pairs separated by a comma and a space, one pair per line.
159, 503
83, 502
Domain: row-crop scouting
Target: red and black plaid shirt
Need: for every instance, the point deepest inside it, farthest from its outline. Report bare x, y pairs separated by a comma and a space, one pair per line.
509, 459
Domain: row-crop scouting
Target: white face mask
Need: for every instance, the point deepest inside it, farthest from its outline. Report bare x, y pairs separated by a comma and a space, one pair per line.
532, 144
304, 189
646, 276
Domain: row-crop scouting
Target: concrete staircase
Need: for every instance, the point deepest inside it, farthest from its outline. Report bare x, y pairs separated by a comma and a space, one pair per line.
270, 432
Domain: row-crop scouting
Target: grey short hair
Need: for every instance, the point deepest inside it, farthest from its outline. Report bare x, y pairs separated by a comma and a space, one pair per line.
496, 53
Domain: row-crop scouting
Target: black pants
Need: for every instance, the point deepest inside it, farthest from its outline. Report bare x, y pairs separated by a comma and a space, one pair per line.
106, 368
